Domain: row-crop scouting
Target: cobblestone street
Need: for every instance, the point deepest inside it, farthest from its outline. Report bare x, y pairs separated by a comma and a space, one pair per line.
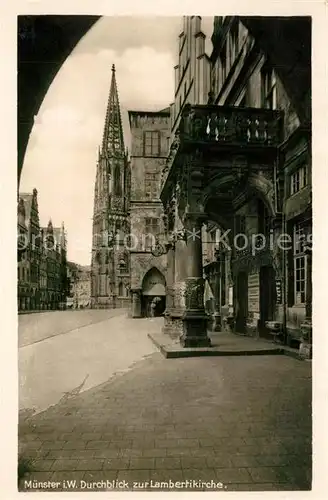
241, 421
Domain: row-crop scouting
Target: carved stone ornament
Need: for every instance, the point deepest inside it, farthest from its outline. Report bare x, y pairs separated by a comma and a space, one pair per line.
180, 235
165, 219
194, 293
179, 294
158, 250
172, 153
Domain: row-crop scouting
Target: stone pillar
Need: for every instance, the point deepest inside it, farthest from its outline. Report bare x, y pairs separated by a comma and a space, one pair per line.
194, 317
175, 322
170, 276
136, 304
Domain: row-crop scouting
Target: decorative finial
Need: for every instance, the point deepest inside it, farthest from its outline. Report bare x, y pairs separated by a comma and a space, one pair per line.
113, 68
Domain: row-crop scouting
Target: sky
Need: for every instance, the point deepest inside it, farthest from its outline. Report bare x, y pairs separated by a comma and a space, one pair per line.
61, 156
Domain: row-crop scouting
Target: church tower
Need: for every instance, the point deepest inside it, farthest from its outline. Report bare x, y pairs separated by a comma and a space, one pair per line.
110, 273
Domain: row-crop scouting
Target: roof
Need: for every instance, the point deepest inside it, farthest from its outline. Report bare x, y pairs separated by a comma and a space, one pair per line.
163, 112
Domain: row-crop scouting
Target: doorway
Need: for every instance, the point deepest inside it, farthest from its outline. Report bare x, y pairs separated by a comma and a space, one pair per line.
153, 294
241, 302
267, 296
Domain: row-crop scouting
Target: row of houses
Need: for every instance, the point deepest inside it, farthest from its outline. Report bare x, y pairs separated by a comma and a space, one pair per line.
42, 265
230, 156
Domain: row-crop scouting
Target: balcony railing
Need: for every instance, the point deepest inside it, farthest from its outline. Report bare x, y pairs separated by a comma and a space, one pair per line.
230, 125
224, 126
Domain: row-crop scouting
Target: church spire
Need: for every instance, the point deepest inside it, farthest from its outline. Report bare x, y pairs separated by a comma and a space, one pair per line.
113, 141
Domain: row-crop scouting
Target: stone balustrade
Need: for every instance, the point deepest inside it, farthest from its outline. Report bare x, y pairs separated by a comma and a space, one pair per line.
230, 125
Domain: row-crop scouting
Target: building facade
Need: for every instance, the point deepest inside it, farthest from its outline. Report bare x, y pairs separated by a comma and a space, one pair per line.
150, 133
82, 288
55, 249
192, 72
110, 266
42, 267
237, 184
29, 251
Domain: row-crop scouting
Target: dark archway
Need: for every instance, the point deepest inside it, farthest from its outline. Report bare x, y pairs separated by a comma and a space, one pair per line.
153, 293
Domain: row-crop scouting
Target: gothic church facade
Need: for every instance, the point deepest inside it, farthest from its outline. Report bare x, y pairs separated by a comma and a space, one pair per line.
110, 262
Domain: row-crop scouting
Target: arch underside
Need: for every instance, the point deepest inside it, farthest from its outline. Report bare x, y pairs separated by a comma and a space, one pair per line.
153, 283
220, 197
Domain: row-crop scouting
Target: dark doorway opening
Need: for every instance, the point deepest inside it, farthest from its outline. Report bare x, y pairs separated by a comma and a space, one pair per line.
241, 302
267, 297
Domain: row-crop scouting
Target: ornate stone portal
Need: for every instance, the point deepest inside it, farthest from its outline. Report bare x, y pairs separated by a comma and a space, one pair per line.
214, 143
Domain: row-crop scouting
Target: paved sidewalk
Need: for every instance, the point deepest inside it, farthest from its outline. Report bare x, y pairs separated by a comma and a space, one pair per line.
244, 422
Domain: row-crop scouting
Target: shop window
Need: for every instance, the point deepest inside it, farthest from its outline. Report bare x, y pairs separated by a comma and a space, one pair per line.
298, 180
300, 262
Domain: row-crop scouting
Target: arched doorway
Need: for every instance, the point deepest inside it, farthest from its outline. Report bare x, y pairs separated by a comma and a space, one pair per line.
153, 293
246, 211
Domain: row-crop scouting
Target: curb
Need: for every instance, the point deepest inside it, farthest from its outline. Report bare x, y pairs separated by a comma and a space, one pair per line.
183, 352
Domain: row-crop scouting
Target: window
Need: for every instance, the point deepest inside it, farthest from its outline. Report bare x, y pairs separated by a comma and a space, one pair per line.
299, 245
268, 88
151, 231
264, 221
151, 185
152, 143
298, 180
121, 290
123, 265
151, 225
